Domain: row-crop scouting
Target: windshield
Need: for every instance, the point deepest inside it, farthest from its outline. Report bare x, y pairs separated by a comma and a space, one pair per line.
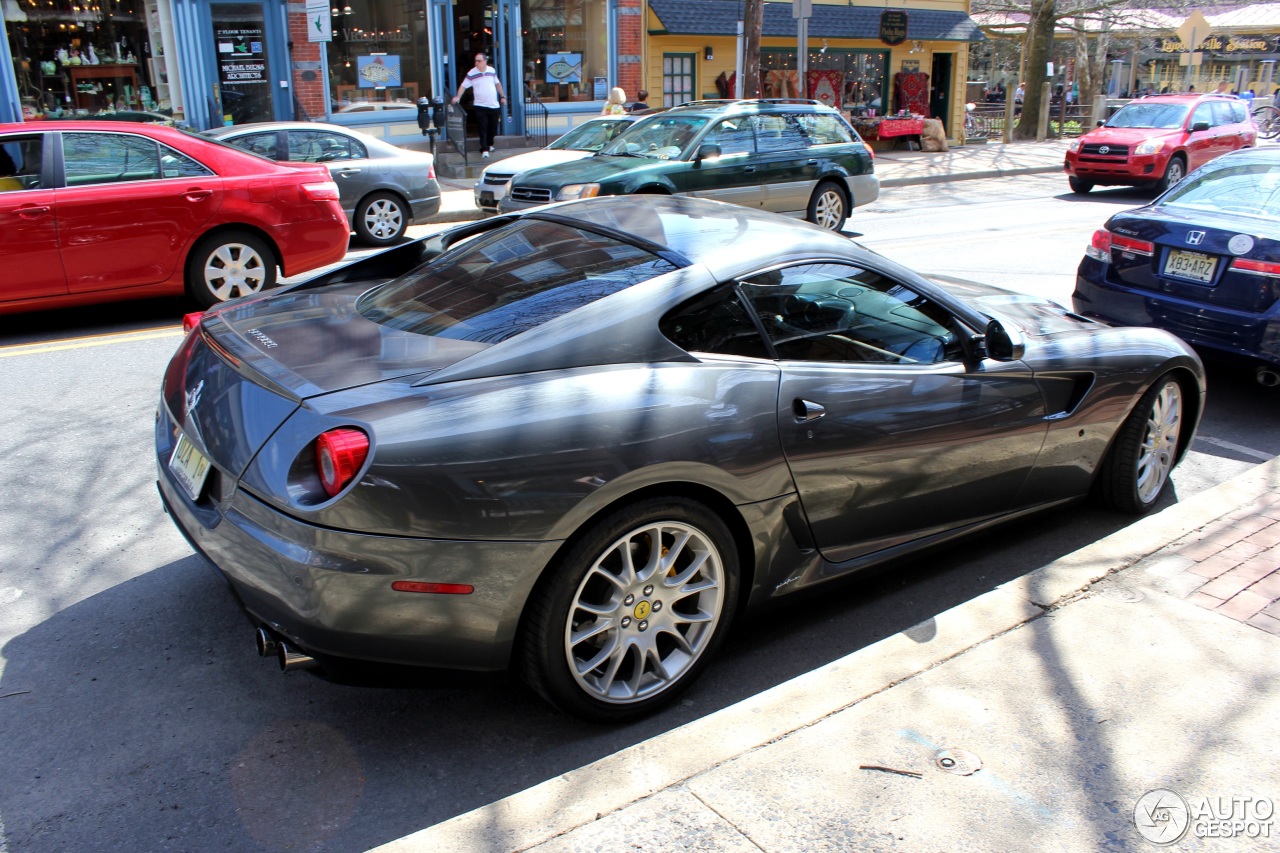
658, 138
508, 281
591, 136
1247, 189
1162, 116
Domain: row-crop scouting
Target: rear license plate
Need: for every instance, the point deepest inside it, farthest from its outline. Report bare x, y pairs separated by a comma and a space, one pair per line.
1190, 265
189, 467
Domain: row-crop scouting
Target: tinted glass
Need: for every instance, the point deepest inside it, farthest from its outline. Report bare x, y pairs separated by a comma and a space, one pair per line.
1251, 189
658, 138
175, 164
321, 146
824, 129
842, 313
20, 158
511, 280
715, 322
106, 158
779, 133
591, 136
1203, 113
1167, 116
733, 135
262, 144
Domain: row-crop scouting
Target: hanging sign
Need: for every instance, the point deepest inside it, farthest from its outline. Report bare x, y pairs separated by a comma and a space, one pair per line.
319, 21
893, 27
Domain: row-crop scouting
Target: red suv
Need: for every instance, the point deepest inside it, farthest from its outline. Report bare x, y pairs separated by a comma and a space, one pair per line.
1155, 141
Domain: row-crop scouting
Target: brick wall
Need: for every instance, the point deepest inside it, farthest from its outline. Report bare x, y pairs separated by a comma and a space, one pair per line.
308, 92
630, 44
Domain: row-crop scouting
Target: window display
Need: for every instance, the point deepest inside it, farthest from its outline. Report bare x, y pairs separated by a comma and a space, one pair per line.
378, 57
565, 48
852, 80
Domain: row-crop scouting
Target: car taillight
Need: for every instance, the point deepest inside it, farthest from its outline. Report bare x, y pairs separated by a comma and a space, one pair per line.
1268, 268
1100, 246
1128, 244
339, 455
431, 171
321, 191
191, 321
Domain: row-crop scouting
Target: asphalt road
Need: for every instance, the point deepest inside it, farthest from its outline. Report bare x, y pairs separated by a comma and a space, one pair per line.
135, 714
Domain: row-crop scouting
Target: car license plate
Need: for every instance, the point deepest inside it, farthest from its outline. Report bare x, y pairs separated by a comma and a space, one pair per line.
1190, 265
486, 199
189, 467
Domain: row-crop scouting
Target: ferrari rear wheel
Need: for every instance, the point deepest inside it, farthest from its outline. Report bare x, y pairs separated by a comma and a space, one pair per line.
1136, 469
634, 611
229, 265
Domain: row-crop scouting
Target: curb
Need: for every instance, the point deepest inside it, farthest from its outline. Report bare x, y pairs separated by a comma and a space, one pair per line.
579, 797
967, 176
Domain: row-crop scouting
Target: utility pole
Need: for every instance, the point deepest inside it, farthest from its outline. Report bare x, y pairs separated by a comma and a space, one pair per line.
753, 25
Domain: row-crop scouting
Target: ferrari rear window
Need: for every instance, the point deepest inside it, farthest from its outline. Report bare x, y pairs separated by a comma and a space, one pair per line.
509, 281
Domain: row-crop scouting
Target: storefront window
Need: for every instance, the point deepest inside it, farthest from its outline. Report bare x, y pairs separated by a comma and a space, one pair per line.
378, 56
84, 58
566, 49
850, 79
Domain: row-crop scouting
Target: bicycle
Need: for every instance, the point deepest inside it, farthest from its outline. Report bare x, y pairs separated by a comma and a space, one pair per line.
975, 126
1267, 117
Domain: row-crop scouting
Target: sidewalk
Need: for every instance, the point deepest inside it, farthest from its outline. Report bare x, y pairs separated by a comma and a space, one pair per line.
1144, 661
895, 169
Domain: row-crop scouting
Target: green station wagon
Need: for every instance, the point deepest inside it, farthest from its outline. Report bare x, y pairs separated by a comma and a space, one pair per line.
794, 157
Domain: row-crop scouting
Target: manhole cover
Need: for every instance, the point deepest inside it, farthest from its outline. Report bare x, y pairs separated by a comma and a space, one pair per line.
961, 762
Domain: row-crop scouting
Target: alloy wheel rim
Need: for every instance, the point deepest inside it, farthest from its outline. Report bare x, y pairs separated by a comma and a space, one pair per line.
1175, 172
644, 612
234, 269
830, 208
383, 218
1159, 441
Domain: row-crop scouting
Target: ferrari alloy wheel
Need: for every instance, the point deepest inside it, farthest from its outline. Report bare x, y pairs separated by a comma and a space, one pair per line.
829, 207
230, 265
381, 219
636, 611
1145, 450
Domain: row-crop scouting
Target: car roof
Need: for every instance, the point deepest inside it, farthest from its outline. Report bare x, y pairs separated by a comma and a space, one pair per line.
1183, 98
748, 106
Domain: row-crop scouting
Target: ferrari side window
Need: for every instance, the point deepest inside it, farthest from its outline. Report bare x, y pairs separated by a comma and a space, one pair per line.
843, 313
714, 322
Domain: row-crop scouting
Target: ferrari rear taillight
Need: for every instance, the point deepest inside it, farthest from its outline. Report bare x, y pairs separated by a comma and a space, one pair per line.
321, 191
1268, 268
191, 321
339, 455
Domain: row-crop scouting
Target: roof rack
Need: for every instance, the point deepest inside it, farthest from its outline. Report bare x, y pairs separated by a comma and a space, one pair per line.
749, 101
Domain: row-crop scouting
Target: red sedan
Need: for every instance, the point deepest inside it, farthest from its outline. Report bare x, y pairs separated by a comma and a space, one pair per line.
100, 211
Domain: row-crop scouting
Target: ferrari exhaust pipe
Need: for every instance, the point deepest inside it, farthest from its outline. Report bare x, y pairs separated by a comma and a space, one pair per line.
292, 659
1267, 377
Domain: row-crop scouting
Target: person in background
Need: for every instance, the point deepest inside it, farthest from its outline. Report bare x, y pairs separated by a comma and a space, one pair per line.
616, 105
485, 87
642, 102
7, 171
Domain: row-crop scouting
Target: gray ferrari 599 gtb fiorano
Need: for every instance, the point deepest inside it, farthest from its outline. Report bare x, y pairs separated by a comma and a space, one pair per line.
581, 439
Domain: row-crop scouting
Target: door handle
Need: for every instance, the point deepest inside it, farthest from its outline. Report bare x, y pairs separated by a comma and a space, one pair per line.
346, 173
806, 410
32, 212
197, 195
748, 168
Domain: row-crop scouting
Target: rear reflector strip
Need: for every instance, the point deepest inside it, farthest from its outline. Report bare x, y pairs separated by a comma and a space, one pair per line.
1268, 268
435, 588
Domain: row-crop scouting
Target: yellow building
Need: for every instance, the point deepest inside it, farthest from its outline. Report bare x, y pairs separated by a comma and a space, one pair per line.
865, 60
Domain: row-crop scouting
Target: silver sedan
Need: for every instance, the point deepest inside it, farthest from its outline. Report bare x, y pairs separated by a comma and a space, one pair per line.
383, 188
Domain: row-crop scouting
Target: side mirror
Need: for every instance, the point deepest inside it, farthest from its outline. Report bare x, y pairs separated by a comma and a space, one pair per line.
1100, 123
1003, 344
706, 152
1200, 125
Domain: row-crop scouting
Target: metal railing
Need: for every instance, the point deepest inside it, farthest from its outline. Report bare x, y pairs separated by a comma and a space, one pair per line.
987, 120
535, 118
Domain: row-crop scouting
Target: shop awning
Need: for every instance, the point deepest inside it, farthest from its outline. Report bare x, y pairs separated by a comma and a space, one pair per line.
720, 18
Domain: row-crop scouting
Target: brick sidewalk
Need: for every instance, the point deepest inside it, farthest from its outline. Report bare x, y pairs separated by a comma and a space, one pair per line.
1232, 566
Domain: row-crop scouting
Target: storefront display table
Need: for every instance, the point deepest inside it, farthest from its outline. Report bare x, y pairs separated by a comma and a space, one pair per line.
119, 83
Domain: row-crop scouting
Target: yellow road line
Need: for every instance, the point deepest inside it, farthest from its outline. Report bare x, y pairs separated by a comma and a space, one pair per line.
87, 343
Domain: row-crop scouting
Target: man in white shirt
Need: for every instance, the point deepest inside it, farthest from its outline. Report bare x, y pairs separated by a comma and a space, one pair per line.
485, 87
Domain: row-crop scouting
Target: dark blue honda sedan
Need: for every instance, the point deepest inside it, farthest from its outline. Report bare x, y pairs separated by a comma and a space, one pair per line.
1201, 261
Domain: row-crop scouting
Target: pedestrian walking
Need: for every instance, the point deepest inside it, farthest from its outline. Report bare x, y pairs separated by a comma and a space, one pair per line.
486, 90
642, 102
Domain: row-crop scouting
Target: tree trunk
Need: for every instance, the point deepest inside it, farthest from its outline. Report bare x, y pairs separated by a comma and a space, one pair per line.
1039, 49
752, 25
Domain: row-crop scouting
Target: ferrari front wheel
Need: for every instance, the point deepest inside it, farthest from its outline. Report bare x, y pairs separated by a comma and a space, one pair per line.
634, 611
1144, 451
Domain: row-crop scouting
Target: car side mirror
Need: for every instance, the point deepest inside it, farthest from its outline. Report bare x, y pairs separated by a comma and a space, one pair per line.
1100, 123
706, 152
1200, 125
1002, 344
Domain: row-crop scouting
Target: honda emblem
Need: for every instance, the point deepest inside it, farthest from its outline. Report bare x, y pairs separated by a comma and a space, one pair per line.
1195, 238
